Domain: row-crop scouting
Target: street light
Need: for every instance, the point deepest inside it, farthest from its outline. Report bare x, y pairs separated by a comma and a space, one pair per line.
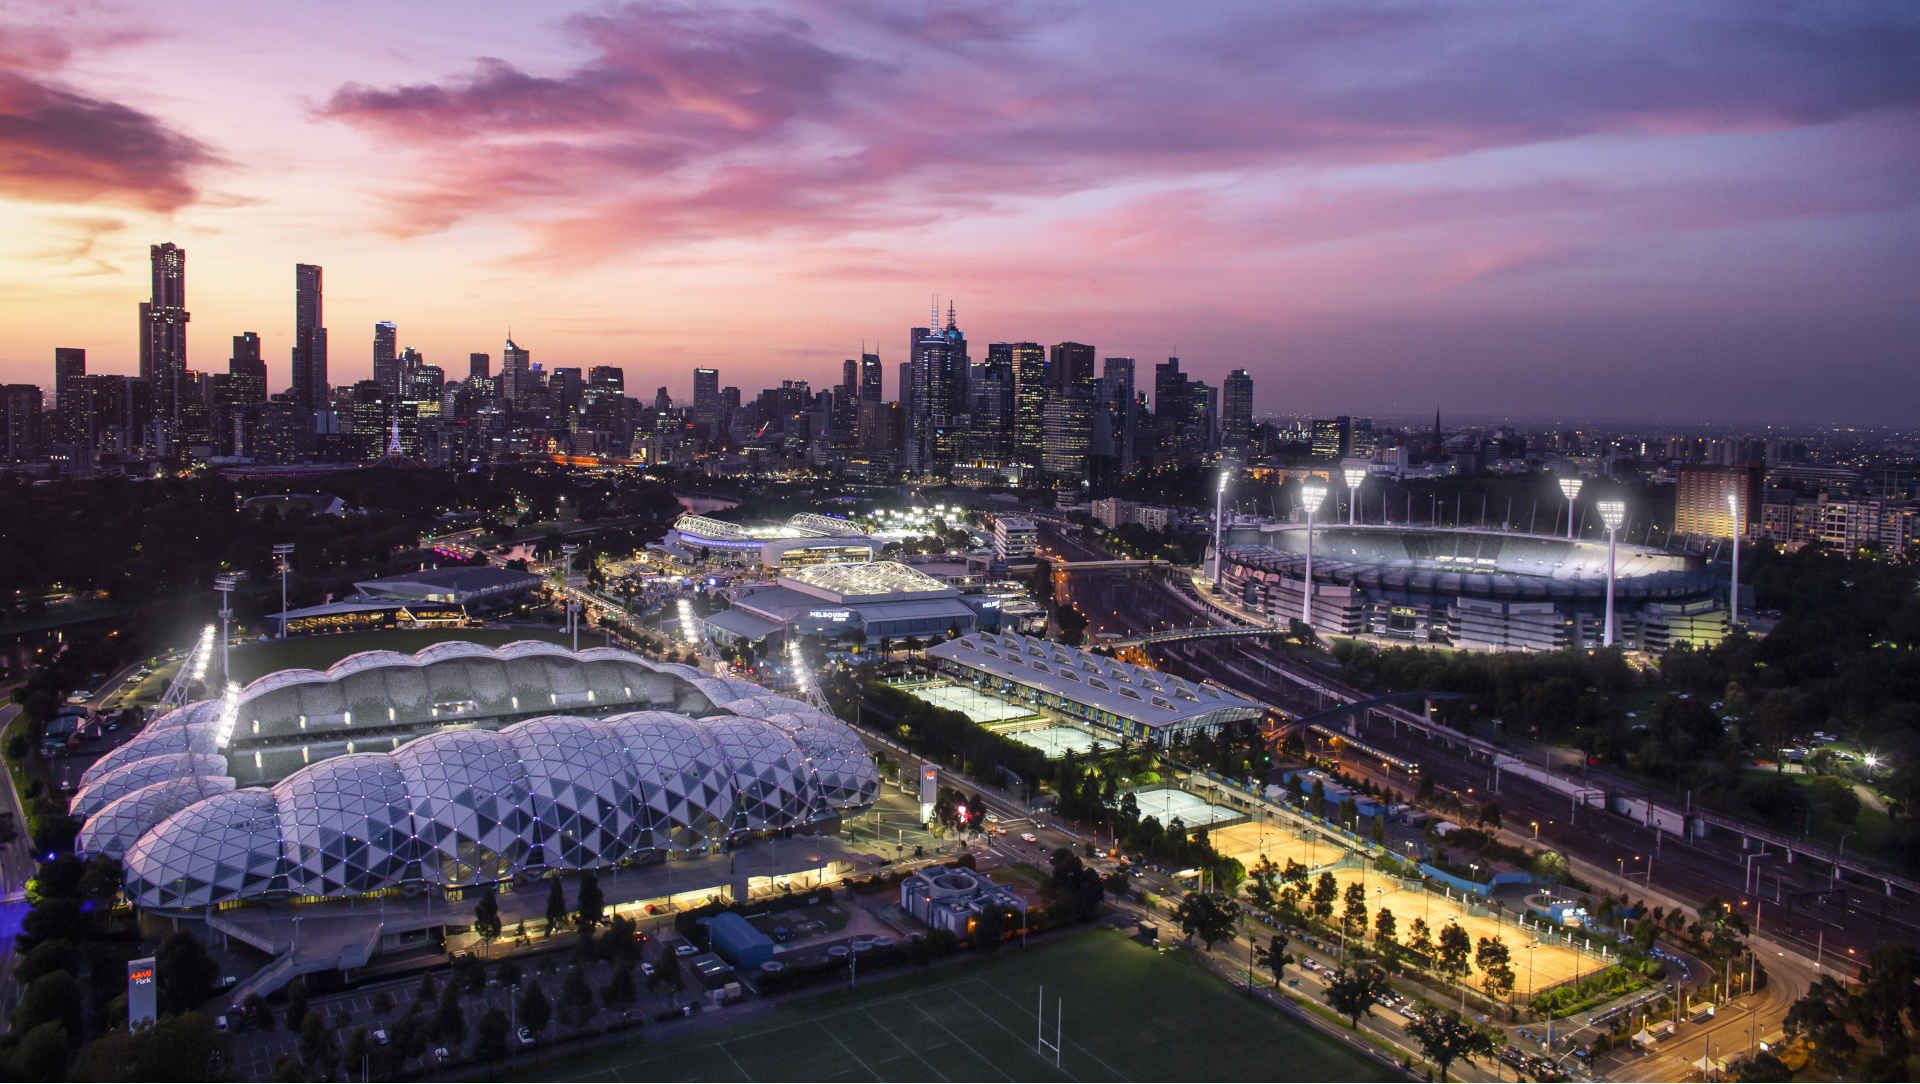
1311, 496
225, 583
1219, 503
1612, 513
1570, 487
1355, 476
283, 556
1733, 506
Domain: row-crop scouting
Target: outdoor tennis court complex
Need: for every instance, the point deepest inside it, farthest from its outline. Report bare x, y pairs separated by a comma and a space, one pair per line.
1009, 718
1548, 965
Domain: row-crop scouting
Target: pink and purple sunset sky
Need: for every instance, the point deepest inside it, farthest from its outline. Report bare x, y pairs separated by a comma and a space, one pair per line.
1703, 211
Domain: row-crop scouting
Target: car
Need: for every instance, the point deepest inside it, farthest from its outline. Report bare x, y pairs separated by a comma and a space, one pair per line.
1029, 837
380, 1037
647, 968
526, 1036
685, 949
441, 1054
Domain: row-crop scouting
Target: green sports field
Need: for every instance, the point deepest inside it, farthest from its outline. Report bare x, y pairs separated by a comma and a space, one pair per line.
1130, 1013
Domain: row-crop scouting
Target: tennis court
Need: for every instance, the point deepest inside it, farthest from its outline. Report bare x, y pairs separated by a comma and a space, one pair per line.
1166, 803
1129, 1014
1546, 966
972, 703
1057, 741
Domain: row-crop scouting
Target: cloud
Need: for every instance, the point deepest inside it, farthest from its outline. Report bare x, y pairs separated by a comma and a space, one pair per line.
59, 144
687, 125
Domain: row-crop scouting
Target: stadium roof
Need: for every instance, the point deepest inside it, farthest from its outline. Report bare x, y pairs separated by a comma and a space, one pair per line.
450, 584
854, 581
1132, 692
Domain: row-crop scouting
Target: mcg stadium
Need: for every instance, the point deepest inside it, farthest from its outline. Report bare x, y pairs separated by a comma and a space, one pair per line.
1478, 589
459, 766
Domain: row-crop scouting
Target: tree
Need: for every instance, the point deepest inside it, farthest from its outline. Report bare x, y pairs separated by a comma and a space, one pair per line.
1276, 957
297, 1001
1420, 940
1324, 892
486, 918
1354, 920
55, 997
1455, 946
593, 902
620, 988
1296, 874
576, 996
556, 905
187, 974
492, 1042
535, 1011
1495, 963
1354, 990
42, 1053
1263, 884
1444, 1037
1208, 916
449, 1021
1384, 928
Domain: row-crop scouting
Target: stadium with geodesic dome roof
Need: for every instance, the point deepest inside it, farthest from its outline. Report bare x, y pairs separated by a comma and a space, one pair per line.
459, 766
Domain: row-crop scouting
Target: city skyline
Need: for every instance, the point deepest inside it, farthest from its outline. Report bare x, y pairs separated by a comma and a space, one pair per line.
1485, 211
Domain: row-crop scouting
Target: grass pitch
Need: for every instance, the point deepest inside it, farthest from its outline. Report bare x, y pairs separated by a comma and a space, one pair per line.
1130, 1014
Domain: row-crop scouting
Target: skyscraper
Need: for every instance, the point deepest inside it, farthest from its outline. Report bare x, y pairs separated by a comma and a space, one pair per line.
1236, 408
386, 355
1701, 506
310, 384
1070, 365
479, 365
1117, 391
870, 378
516, 372
71, 403
939, 367
163, 333
1029, 402
248, 369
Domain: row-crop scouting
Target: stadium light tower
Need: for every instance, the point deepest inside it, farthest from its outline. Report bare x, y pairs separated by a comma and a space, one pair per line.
1355, 477
1612, 513
1733, 601
225, 584
1219, 504
573, 622
1311, 494
283, 557
1570, 487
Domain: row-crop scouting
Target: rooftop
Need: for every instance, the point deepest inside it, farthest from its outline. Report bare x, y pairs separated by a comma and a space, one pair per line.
1131, 692
852, 581
457, 580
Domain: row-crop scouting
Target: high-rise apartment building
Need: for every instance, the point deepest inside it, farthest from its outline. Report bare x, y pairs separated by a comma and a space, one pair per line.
70, 400
1236, 408
1701, 507
479, 366
870, 378
163, 333
310, 386
1117, 397
516, 372
248, 369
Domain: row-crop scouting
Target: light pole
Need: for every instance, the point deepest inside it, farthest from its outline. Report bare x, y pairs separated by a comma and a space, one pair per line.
566, 587
1612, 513
283, 556
1355, 476
1733, 600
1570, 487
225, 583
1219, 504
1311, 495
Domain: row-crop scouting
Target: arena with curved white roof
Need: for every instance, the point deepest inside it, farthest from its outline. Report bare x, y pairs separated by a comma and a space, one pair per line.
1473, 588
458, 766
